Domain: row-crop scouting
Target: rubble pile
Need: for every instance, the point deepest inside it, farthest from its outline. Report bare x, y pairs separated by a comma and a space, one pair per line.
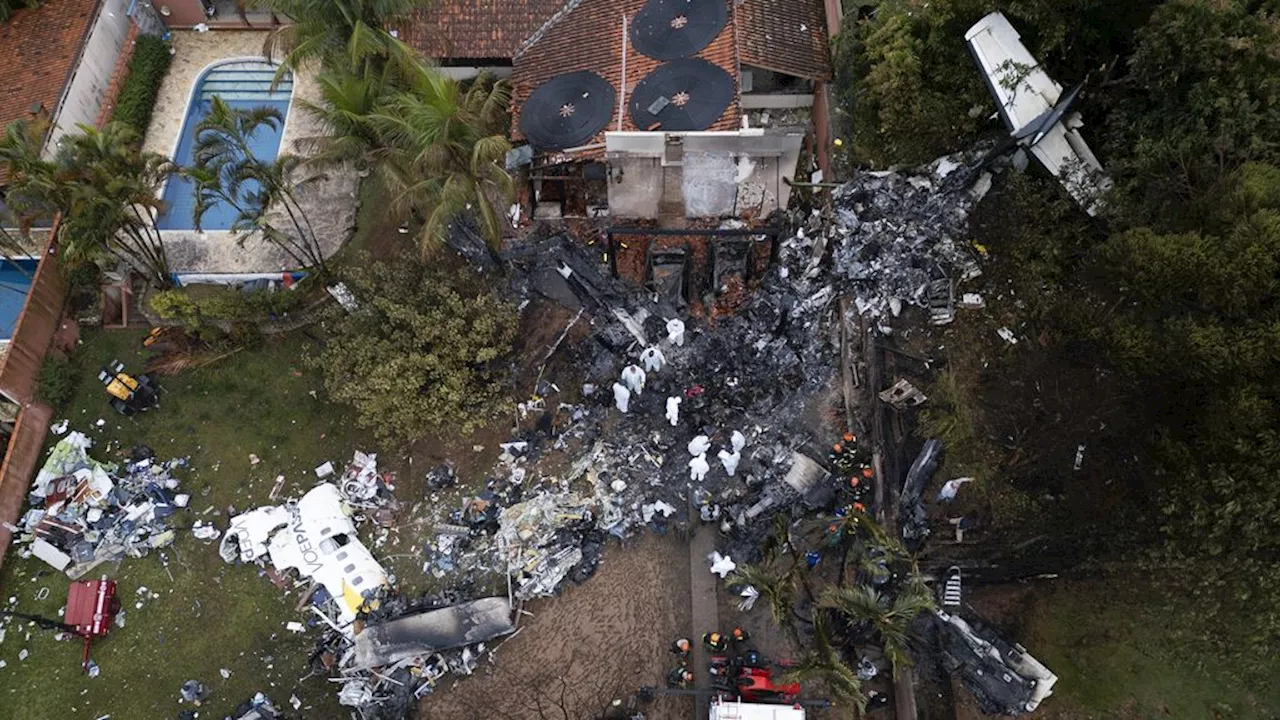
84, 512
897, 238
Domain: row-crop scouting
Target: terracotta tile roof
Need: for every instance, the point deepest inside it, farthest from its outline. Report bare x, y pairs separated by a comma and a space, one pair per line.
786, 36
476, 29
38, 48
589, 37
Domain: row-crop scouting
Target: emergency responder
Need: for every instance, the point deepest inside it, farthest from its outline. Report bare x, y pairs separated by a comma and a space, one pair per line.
715, 642
679, 677
682, 647
739, 637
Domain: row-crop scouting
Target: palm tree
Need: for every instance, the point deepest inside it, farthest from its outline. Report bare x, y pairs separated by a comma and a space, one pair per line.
777, 588
226, 171
822, 662
114, 200
339, 34
445, 152
103, 185
347, 104
889, 616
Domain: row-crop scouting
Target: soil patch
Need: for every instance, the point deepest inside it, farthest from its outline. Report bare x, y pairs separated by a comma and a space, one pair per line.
592, 644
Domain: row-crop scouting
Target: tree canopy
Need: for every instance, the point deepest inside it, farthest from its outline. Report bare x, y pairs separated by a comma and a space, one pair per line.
422, 353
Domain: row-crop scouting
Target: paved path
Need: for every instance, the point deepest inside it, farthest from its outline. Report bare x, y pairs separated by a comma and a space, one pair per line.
706, 610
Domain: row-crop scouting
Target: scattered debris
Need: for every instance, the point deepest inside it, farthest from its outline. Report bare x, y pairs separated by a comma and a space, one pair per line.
85, 512
1005, 679
903, 395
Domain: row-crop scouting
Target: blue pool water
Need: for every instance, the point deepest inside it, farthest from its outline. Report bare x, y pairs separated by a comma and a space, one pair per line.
242, 85
15, 283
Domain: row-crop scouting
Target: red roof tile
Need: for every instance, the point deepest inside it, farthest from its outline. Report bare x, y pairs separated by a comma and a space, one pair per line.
786, 36
589, 37
38, 49
476, 29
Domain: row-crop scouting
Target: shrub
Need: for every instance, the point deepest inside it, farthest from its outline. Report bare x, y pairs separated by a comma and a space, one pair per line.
194, 307
56, 381
147, 69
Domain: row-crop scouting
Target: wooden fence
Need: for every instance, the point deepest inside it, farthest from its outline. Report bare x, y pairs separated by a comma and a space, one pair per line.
40, 318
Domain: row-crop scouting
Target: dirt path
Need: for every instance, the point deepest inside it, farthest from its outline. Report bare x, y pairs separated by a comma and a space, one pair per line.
594, 643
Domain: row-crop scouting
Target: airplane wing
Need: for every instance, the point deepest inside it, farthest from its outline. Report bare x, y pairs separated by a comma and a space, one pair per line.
1063, 152
1020, 86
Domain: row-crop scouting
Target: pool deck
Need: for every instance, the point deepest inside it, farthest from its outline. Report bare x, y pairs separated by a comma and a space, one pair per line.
330, 204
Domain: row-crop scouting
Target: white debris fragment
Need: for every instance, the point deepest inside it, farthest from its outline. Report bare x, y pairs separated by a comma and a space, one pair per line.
618, 485
225, 673
23, 654
749, 594
295, 627
1007, 335
721, 565
59, 427
972, 301
325, 470
738, 441
659, 508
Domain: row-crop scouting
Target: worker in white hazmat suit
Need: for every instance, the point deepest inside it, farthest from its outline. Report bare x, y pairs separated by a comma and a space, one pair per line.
634, 378
653, 359
673, 410
730, 461
699, 445
675, 332
698, 468
621, 397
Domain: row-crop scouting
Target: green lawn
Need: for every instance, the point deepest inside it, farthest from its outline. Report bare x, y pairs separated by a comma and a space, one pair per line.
210, 615
1115, 655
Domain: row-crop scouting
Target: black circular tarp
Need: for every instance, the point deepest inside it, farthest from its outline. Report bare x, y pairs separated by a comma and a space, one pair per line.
567, 110
681, 95
670, 29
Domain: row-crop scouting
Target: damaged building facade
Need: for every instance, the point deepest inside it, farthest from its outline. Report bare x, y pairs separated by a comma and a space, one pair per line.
664, 124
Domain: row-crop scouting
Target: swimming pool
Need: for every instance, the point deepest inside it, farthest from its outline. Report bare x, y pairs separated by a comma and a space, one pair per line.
242, 84
15, 283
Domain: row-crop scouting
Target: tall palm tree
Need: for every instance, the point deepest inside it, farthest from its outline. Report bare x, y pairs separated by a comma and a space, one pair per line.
888, 615
339, 34
103, 185
822, 662
445, 153
227, 171
345, 112
114, 199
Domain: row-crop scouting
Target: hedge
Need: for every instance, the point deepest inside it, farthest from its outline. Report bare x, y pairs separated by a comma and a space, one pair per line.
206, 303
147, 68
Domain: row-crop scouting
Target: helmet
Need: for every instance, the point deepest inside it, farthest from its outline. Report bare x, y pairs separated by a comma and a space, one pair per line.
737, 633
715, 637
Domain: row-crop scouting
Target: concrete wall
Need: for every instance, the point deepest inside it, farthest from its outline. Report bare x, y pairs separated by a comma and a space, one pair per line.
706, 174
83, 98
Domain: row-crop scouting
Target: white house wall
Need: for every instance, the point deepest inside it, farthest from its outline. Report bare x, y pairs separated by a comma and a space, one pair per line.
84, 96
